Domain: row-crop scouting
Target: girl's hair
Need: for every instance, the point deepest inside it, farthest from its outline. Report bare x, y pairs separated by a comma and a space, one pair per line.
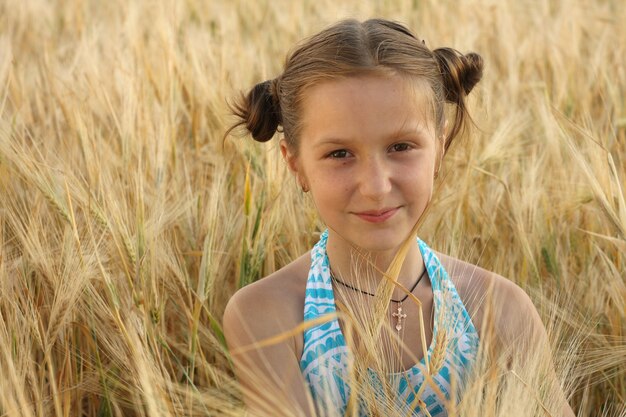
350, 48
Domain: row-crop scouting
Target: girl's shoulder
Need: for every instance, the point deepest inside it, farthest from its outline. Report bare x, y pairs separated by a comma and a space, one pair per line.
259, 323
272, 304
283, 284
485, 293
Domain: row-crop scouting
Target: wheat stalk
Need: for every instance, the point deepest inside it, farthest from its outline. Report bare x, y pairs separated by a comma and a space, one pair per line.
439, 352
116, 100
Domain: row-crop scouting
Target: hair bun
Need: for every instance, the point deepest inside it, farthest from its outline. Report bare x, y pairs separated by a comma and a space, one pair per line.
460, 72
259, 111
473, 71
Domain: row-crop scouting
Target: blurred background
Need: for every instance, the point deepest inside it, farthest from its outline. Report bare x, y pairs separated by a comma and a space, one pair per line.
127, 220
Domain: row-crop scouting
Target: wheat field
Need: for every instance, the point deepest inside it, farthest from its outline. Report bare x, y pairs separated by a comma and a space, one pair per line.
127, 222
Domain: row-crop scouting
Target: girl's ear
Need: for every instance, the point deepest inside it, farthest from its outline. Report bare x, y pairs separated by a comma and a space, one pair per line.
441, 148
288, 156
292, 163
444, 135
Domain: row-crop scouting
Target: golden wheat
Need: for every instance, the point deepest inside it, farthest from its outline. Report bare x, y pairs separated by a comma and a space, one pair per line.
126, 222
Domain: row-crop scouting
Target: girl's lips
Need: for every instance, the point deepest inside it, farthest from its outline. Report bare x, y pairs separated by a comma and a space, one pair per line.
377, 216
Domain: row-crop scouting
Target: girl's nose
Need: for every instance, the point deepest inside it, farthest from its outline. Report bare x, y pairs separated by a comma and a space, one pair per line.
374, 179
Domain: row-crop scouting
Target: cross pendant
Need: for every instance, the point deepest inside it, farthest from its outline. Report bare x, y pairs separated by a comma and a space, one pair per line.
399, 315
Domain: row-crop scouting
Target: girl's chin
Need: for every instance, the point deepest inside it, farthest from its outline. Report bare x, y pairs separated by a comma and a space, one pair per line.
375, 241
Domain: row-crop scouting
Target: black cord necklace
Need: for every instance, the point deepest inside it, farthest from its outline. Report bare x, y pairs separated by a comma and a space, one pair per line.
338, 281
399, 315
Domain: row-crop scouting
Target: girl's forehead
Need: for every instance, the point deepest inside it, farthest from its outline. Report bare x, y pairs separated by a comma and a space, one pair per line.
374, 103
408, 88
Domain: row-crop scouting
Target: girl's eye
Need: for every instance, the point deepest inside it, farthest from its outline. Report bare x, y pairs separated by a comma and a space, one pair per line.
338, 154
400, 147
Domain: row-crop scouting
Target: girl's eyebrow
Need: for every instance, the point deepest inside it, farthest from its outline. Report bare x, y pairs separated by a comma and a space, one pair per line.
418, 132
333, 141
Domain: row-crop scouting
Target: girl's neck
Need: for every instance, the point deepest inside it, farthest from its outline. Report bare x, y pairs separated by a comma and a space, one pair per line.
363, 270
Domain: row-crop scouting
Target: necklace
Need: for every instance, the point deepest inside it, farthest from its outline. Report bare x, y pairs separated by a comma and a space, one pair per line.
399, 315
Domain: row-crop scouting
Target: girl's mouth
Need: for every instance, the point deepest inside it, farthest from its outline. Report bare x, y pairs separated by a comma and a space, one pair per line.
377, 216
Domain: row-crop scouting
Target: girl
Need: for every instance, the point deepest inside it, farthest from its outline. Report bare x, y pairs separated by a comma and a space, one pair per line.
367, 111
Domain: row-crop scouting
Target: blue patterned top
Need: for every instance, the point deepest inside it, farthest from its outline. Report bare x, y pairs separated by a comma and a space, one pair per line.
325, 356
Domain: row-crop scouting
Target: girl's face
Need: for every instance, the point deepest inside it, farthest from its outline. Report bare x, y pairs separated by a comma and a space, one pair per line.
367, 153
